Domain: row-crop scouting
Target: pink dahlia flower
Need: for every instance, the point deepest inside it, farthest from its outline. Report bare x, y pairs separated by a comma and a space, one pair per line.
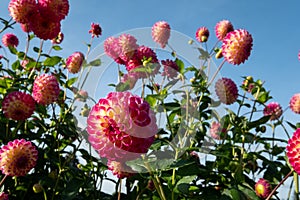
295, 103
237, 46
74, 62
161, 33
55, 10
121, 126
263, 188
95, 30
293, 151
45, 28
216, 131
273, 110
128, 46
299, 55
113, 50
18, 105
143, 63
45, 89
10, 39
23, 11
4, 196
120, 169
18, 157
226, 90
222, 28
170, 68
202, 34
58, 39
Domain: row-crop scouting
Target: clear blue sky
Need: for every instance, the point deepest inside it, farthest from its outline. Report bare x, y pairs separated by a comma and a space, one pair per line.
273, 24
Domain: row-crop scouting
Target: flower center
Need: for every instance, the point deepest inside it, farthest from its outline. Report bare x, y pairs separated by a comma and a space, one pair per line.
21, 162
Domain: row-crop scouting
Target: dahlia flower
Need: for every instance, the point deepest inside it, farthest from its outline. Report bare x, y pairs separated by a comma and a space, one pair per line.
18, 157
95, 30
226, 90
263, 188
216, 131
170, 68
295, 103
161, 33
56, 10
23, 11
45, 89
74, 62
3, 196
128, 46
121, 126
144, 58
10, 39
222, 28
45, 28
293, 151
237, 46
113, 50
202, 34
299, 55
120, 169
18, 105
273, 110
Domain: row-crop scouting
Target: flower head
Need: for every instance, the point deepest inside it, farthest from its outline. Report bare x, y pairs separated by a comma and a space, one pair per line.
10, 39
202, 34
293, 151
128, 46
95, 30
237, 46
222, 28
226, 90
161, 33
295, 103
23, 11
216, 131
273, 110
45, 28
121, 126
120, 169
74, 62
263, 188
45, 89
299, 55
145, 58
170, 68
113, 49
3, 196
56, 10
18, 157
18, 105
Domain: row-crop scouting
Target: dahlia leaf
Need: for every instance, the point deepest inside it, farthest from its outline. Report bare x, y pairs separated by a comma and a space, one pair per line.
184, 184
121, 87
52, 61
16, 65
180, 65
71, 81
12, 50
56, 48
95, 63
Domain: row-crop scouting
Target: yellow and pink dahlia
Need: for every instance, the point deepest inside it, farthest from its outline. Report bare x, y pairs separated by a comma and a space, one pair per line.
293, 151
170, 68
263, 188
273, 110
202, 34
237, 46
10, 40
18, 157
18, 105
120, 169
121, 126
226, 90
45, 89
23, 11
74, 62
95, 30
222, 28
161, 32
295, 103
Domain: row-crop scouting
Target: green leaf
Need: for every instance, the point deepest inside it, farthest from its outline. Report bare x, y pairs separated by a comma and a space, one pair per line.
16, 65
12, 50
180, 65
71, 81
95, 63
56, 48
250, 194
52, 61
123, 86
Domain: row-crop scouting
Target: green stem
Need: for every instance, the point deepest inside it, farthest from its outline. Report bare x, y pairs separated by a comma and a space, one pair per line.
216, 73
296, 180
3, 179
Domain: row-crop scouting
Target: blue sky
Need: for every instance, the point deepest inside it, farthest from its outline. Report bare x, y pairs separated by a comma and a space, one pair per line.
274, 26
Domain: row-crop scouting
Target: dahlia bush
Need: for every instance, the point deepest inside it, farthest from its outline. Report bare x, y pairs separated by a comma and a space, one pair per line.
165, 128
